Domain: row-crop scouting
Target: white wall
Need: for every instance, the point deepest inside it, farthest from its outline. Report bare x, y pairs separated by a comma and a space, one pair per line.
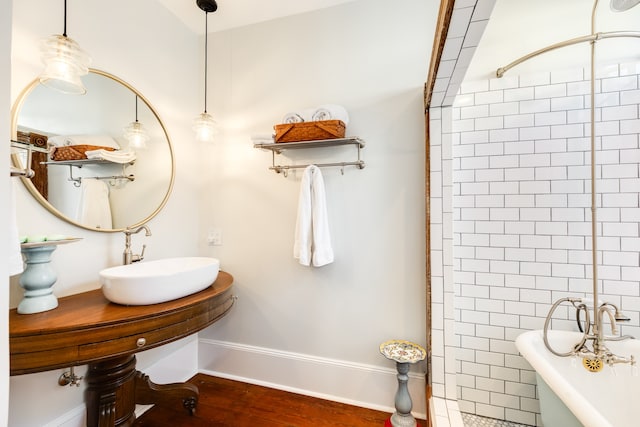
373, 59
151, 57
5, 102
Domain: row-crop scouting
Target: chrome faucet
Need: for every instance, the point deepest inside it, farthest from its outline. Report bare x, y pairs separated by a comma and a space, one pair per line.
601, 350
608, 309
128, 256
592, 346
598, 328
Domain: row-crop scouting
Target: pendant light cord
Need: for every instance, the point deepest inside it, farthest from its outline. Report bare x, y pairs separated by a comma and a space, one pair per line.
206, 37
136, 108
64, 33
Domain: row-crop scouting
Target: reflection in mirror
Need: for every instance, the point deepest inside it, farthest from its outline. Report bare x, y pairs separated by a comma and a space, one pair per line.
91, 177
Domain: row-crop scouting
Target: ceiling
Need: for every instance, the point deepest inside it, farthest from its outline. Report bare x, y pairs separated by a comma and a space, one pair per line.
518, 27
237, 13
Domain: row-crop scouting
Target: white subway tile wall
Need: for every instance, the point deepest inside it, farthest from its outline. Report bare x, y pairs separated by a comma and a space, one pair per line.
468, 21
520, 210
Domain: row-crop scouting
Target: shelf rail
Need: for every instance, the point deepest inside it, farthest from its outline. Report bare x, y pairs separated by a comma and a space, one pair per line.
77, 181
285, 168
26, 172
278, 148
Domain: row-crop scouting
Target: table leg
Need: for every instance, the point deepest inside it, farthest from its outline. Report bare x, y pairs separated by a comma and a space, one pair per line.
110, 392
149, 393
115, 387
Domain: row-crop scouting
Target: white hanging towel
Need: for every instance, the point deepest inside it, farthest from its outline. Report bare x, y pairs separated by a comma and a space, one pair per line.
15, 256
94, 209
312, 244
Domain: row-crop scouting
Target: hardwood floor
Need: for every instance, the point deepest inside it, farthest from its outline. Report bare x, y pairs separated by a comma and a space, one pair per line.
226, 403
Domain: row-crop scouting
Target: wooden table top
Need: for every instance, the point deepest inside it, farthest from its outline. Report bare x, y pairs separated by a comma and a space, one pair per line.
84, 327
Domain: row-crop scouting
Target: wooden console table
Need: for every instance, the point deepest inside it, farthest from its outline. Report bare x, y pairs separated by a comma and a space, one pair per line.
88, 329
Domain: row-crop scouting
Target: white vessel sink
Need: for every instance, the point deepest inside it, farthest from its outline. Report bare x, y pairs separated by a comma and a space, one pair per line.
152, 282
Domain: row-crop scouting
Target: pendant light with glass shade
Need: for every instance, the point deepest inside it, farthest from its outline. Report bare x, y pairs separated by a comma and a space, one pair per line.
204, 125
136, 134
622, 5
64, 62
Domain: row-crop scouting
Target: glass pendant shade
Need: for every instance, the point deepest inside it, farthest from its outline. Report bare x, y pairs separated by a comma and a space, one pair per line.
622, 5
205, 127
137, 135
64, 62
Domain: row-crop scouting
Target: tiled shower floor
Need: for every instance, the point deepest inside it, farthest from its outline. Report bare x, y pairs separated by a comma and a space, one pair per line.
471, 420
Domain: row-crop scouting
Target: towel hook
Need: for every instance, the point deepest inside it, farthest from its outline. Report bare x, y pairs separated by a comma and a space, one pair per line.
76, 181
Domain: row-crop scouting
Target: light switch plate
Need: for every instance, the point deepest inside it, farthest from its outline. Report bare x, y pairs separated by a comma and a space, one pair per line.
214, 238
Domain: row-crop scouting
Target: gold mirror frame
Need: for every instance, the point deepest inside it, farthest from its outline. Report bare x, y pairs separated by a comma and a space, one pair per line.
44, 202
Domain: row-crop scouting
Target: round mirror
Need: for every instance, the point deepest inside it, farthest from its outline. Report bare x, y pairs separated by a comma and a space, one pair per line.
86, 172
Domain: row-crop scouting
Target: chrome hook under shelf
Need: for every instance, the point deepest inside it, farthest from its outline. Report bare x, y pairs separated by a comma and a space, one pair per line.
285, 168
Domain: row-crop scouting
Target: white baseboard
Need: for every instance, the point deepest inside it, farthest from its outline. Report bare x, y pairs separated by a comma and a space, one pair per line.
362, 385
74, 418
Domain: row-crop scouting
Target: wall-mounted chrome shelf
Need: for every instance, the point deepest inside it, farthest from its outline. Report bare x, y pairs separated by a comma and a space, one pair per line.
278, 148
79, 163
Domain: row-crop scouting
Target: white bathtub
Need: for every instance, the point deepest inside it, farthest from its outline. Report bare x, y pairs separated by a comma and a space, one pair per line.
572, 396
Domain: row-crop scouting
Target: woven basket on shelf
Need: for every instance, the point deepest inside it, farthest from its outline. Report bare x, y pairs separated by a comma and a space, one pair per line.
309, 131
74, 152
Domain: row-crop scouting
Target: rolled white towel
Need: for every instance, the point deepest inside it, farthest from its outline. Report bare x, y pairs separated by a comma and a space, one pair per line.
292, 117
299, 116
331, 112
264, 138
118, 156
99, 140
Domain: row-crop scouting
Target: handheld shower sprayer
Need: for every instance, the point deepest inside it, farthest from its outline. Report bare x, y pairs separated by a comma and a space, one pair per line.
621, 317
